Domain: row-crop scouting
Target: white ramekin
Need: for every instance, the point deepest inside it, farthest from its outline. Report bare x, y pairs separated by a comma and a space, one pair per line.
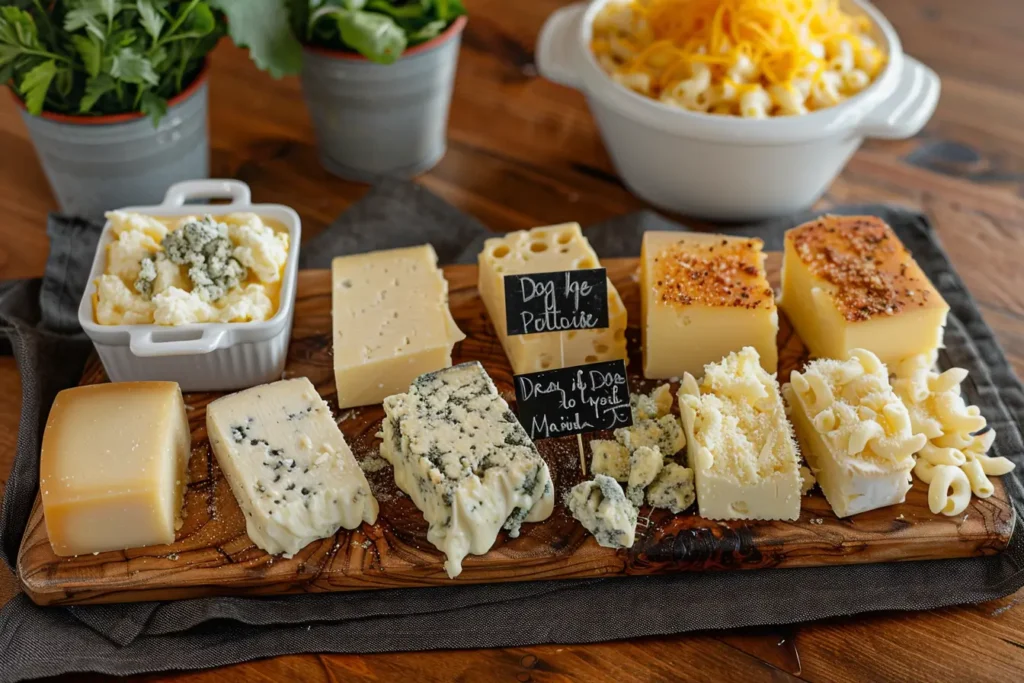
728, 168
201, 356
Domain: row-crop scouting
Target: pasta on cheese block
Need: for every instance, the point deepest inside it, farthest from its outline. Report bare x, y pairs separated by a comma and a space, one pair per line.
288, 465
954, 462
849, 283
702, 297
391, 322
543, 250
464, 459
855, 431
741, 447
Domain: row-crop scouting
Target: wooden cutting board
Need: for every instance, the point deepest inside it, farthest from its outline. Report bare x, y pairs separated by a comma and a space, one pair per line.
213, 556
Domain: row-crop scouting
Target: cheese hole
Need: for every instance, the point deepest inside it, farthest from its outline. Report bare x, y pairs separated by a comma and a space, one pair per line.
620, 334
571, 334
564, 237
739, 508
539, 234
586, 263
590, 359
601, 348
563, 250
500, 252
545, 362
538, 247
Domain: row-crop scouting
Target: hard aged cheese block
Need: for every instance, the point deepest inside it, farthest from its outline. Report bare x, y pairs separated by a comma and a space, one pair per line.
741, 447
466, 462
702, 297
542, 250
288, 465
112, 471
855, 431
603, 509
391, 322
848, 283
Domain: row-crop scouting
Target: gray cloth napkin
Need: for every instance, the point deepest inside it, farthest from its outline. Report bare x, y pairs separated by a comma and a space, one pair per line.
38, 319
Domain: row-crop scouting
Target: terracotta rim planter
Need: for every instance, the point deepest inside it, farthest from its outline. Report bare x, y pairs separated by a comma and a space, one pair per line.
373, 120
99, 163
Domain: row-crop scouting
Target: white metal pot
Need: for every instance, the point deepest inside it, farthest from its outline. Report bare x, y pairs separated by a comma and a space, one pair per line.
729, 168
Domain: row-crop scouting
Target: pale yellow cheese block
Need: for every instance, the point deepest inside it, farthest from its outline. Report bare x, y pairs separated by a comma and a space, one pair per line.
849, 283
702, 297
542, 250
391, 322
113, 466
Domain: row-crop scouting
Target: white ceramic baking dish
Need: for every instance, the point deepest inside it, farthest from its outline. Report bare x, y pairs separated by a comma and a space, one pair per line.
203, 356
729, 168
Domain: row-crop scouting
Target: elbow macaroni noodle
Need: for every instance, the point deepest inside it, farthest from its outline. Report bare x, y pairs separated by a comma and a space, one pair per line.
854, 410
748, 58
954, 462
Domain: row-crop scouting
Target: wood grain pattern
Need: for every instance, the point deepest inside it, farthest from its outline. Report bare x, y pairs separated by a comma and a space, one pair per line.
212, 554
524, 152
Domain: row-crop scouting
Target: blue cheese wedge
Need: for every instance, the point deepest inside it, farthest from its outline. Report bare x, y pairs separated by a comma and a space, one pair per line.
665, 432
644, 465
288, 465
610, 458
603, 510
672, 488
465, 461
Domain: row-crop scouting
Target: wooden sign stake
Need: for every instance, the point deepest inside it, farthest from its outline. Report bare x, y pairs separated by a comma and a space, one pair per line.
579, 437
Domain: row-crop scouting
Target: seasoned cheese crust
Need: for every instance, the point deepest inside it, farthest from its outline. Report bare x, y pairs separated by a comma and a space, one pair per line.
869, 271
712, 270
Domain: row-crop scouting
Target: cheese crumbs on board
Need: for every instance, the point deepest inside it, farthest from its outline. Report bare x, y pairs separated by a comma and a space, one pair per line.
750, 58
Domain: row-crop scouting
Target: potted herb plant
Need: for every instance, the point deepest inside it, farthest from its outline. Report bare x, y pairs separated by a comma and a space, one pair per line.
377, 76
113, 92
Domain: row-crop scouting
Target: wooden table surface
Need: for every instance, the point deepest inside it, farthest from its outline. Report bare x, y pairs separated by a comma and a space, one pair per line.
524, 152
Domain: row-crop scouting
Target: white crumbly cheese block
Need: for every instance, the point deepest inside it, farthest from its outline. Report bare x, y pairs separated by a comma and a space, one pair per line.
112, 470
544, 250
741, 447
848, 282
644, 465
709, 290
855, 431
464, 459
391, 322
672, 488
603, 510
288, 465
610, 458
665, 433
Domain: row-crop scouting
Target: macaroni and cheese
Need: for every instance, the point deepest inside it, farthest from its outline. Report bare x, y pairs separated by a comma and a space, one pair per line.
749, 58
190, 270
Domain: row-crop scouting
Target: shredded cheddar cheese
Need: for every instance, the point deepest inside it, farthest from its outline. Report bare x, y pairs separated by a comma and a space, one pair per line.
752, 58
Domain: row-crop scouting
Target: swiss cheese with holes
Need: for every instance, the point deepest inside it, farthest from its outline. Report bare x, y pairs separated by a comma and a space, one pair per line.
544, 250
391, 322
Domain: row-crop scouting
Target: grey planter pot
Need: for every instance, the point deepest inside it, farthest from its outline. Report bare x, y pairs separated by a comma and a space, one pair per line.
373, 120
96, 164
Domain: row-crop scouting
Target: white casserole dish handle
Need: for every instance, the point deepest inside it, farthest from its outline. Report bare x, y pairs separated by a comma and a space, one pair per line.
904, 113
143, 345
557, 52
190, 190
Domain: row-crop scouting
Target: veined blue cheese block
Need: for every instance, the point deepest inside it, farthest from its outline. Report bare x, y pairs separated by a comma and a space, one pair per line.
288, 465
465, 461
603, 509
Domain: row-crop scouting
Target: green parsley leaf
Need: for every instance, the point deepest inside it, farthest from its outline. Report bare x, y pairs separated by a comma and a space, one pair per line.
91, 51
95, 88
153, 106
150, 17
375, 36
36, 83
132, 67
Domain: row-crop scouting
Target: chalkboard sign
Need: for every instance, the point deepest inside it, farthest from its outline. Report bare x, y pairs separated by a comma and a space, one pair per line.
556, 302
584, 398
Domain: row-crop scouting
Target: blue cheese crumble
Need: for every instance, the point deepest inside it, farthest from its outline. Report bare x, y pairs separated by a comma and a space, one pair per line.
465, 461
672, 488
603, 510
